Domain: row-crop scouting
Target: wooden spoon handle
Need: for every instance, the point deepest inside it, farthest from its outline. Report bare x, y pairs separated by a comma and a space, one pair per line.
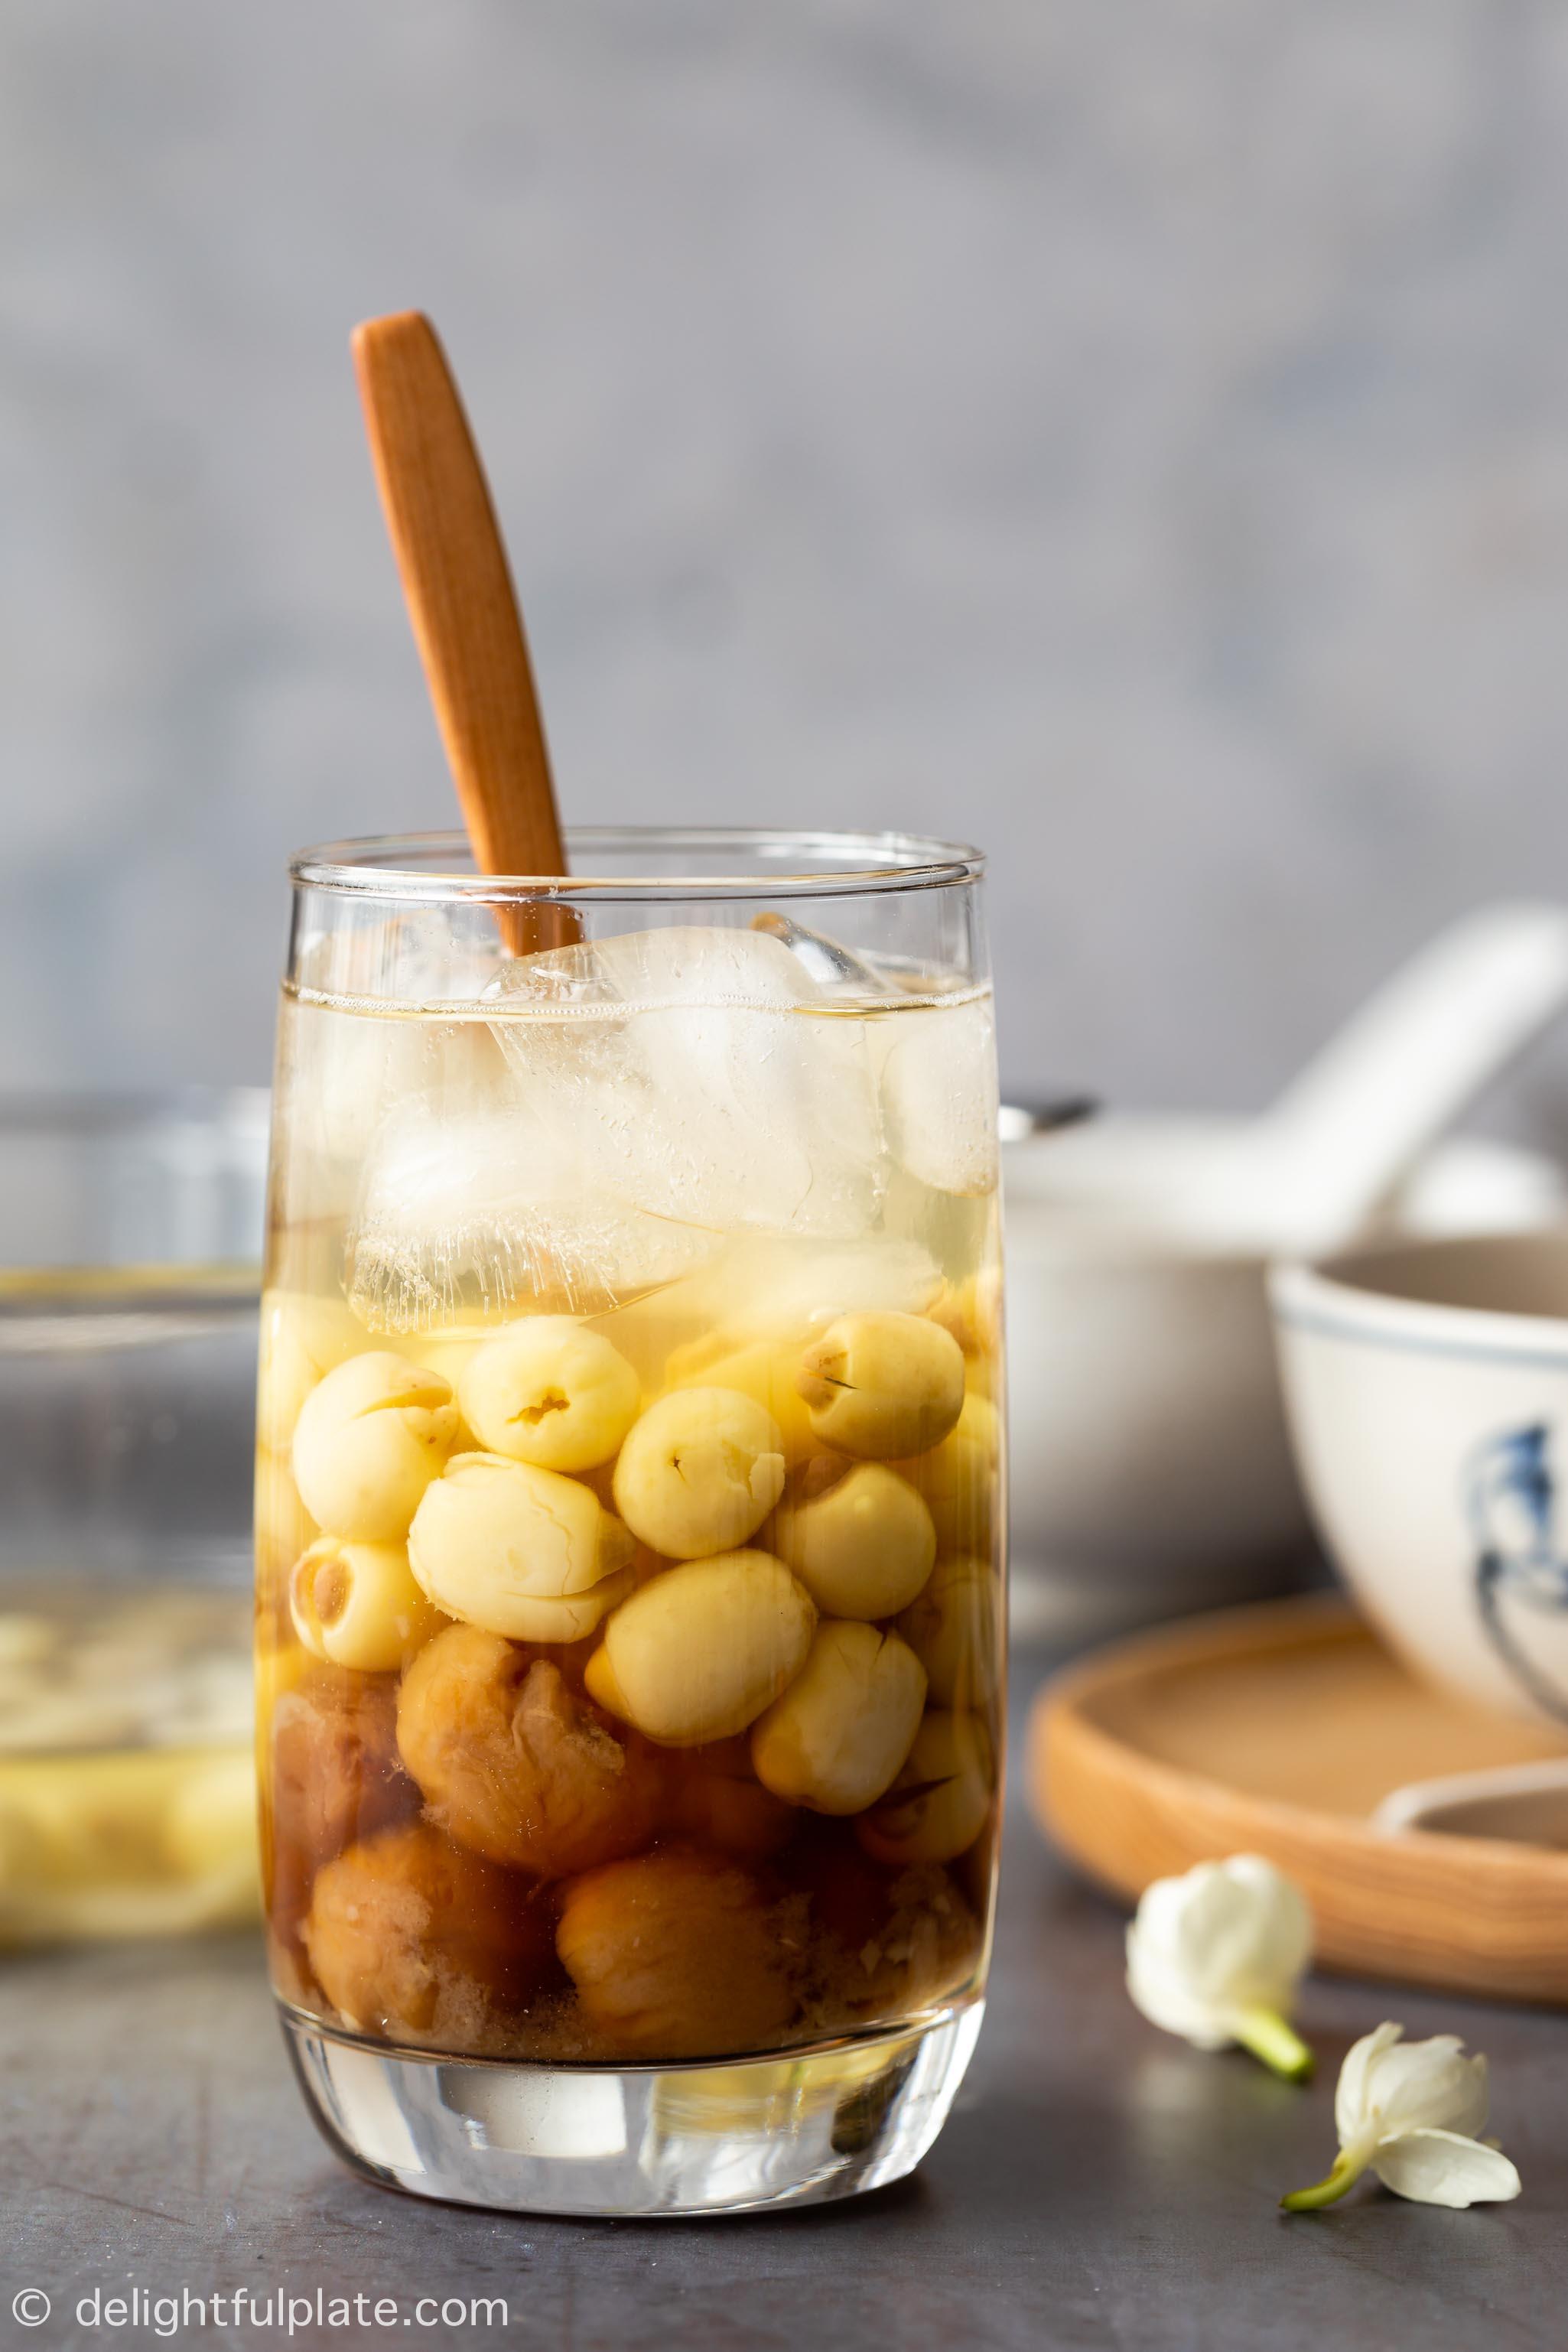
461, 601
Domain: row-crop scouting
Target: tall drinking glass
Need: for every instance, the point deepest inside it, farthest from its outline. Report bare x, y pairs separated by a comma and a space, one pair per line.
630, 1514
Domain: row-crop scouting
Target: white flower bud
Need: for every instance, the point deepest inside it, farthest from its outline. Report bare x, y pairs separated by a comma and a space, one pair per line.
1211, 1953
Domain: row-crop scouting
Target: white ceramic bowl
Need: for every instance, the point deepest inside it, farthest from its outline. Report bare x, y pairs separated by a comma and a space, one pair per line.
1427, 1393
1150, 1470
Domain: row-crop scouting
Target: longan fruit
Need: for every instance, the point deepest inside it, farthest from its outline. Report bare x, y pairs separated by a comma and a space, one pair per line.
332, 1774
409, 1933
673, 1956
516, 1764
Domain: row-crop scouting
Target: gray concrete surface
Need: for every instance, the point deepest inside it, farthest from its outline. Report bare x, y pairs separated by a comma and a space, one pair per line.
1132, 436
1099, 2189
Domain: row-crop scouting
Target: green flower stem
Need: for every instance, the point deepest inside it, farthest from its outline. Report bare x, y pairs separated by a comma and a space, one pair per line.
1349, 2165
1269, 2037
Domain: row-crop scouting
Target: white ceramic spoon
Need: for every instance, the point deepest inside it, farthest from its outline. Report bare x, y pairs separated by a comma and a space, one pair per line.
1400, 1071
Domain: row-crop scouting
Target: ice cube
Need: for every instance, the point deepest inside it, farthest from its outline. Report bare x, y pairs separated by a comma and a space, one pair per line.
351, 1051
466, 1214
702, 1076
939, 1095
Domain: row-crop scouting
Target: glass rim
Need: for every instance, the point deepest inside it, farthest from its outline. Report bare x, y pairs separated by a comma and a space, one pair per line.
388, 865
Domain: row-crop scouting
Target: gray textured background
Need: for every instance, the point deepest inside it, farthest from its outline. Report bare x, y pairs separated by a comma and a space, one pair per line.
1132, 433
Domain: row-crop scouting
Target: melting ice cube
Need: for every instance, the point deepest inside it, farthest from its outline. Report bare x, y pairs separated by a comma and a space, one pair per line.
699, 1074
470, 1213
939, 1094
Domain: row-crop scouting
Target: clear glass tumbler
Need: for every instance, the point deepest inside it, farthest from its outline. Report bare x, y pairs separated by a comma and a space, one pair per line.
630, 1514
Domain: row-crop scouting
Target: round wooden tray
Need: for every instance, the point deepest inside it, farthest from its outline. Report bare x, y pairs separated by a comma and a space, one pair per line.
1276, 1730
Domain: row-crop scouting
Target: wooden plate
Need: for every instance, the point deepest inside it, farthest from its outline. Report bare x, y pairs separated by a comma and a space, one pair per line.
1276, 1730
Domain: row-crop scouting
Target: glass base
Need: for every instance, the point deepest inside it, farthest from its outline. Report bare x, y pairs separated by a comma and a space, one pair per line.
732, 2138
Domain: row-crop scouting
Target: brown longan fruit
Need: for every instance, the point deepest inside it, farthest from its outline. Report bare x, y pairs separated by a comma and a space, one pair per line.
333, 1775
409, 1935
674, 1956
516, 1764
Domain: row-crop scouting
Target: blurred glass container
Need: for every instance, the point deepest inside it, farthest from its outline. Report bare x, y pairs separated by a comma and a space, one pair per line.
131, 1232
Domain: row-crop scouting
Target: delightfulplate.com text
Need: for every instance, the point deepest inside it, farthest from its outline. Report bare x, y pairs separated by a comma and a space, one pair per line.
285, 2313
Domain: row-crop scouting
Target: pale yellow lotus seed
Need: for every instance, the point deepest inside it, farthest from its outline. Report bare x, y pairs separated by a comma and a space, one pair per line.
837, 1738
302, 1340
959, 1478
699, 1652
972, 1311
493, 1539
356, 1604
882, 1385
941, 1800
574, 1616
599, 1681
368, 1440
765, 1371
863, 1549
700, 1472
550, 1392
951, 1627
